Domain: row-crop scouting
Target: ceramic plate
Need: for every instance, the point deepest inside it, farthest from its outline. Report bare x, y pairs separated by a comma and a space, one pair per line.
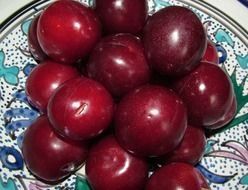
225, 163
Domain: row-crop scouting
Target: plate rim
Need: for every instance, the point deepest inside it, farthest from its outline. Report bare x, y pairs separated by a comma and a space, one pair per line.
224, 19
31, 5
22, 10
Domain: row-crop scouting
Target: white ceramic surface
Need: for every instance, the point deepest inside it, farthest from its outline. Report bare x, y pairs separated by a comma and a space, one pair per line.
225, 163
231, 7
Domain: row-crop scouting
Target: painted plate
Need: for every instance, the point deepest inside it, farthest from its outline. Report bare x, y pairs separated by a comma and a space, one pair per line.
225, 163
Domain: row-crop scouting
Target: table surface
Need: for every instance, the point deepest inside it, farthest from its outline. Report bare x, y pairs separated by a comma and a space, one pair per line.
233, 8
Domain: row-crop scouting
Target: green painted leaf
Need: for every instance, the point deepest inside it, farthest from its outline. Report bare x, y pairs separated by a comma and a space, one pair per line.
82, 184
10, 74
2, 58
91, 3
162, 3
11, 78
244, 180
239, 90
243, 61
14, 70
222, 36
25, 26
9, 185
209, 145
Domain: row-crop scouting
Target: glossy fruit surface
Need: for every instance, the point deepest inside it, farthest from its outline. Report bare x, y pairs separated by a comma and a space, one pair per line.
44, 79
227, 117
49, 157
207, 93
110, 167
122, 16
119, 63
191, 148
67, 31
177, 176
33, 44
174, 40
150, 121
211, 53
81, 109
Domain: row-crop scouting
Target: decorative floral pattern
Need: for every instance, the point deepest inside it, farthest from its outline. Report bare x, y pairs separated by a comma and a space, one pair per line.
240, 151
10, 74
225, 163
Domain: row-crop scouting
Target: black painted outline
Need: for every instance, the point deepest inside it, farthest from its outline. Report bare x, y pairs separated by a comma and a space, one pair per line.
224, 16
215, 10
20, 12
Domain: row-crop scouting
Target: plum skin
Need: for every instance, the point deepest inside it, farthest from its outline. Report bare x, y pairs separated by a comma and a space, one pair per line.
48, 156
177, 175
174, 40
33, 43
207, 93
191, 148
80, 109
119, 63
43, 81
110, 167
150, 121
67, 31
122, 16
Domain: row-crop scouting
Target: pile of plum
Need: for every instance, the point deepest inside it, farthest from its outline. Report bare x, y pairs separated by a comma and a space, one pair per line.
127, 94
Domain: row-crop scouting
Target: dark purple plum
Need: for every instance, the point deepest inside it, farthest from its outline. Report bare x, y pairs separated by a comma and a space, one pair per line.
47, 155
68, 30
44, 79
150, 121
33, 44
211, 53
191, 148
227, 117
119, 63
122, 16
110, 167
174, 40
80, 109
208, 94
177, 176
